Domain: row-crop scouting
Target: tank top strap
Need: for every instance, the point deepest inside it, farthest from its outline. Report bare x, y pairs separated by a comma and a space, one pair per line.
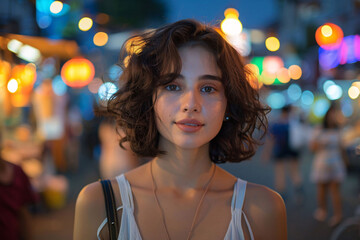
239, 194
125, 192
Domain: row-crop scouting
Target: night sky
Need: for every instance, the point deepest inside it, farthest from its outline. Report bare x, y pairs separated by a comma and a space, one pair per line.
252, 13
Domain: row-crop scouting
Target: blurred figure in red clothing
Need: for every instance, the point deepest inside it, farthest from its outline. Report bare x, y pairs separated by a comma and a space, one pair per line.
16, 196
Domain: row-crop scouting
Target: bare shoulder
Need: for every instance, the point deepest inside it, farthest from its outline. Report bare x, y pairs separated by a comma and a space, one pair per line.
90, 210
266, 212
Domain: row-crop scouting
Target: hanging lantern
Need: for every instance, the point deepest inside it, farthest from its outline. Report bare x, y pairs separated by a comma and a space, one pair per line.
329, 36
77, 72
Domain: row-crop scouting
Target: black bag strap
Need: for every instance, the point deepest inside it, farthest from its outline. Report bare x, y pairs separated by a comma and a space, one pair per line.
111, 212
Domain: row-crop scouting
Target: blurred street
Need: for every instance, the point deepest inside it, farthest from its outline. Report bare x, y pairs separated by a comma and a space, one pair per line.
58, 224
60, 61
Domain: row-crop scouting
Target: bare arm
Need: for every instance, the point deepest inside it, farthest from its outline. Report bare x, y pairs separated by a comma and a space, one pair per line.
266, 212
89, 212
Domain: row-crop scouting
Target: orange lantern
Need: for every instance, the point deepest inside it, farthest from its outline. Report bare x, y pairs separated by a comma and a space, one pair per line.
26, 76
77, 72
329, 36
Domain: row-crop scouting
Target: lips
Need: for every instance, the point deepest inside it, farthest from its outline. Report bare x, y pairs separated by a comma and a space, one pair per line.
189, 125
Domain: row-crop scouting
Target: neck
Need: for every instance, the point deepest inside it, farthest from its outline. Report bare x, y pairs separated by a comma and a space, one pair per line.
183, 168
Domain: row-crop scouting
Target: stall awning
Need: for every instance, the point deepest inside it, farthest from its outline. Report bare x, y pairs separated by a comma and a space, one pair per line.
63, 49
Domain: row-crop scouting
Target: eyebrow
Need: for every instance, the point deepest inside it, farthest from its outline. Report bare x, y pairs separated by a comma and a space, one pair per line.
204, 77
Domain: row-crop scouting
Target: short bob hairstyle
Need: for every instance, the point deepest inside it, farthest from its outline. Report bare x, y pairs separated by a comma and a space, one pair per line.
153, 60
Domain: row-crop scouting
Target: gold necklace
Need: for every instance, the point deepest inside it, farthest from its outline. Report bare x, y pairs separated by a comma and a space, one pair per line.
206, 187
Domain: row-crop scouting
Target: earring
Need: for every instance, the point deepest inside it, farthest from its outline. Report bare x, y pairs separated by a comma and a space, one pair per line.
226, 118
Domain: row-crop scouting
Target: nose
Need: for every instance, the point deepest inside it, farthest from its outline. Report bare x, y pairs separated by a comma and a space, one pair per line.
191, 101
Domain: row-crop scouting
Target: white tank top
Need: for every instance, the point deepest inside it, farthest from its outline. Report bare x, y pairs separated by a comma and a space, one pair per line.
130, 231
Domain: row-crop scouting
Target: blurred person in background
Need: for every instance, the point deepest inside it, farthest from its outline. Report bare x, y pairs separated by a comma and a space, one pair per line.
328, 168
278, 147
114, 160
188, 105
16, 197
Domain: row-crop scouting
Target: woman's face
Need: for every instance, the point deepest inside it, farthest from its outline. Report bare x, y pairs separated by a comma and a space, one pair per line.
190, 110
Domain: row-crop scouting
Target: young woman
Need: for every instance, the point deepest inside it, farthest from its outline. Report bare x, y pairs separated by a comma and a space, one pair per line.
186, 102
328, 169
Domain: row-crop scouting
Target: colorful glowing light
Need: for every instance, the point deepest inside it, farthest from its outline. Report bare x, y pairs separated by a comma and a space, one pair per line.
272, 64
307, 98
12, 85
253, 76
272, 44
294, 92
295, 72
25, 75
231, 25
354, 92
100, 39
276, 100
56, 7
85, 24
77, 72
283, 75
106, 90
329, 36
334, 92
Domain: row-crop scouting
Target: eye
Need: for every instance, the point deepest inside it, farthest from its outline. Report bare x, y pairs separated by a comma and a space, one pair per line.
207, 89
172, 87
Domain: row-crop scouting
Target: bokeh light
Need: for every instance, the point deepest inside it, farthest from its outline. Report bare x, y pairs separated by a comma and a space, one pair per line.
329, 36
43, 21
94, 85
56, 7
334, 92
294, 92
266, 78
272, 44
29, 53
231, 12
272, 64
320, 107
253, 76
25, 75
327, 84
354, 92
106, 90
100, 39
77, 72
307, 98
85, 24
13, 85
114, 72
276, 100
283, 75
295, 72
14, 45
231, 25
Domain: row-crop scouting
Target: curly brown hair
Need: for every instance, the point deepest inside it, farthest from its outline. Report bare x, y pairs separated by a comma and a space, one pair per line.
151, 56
